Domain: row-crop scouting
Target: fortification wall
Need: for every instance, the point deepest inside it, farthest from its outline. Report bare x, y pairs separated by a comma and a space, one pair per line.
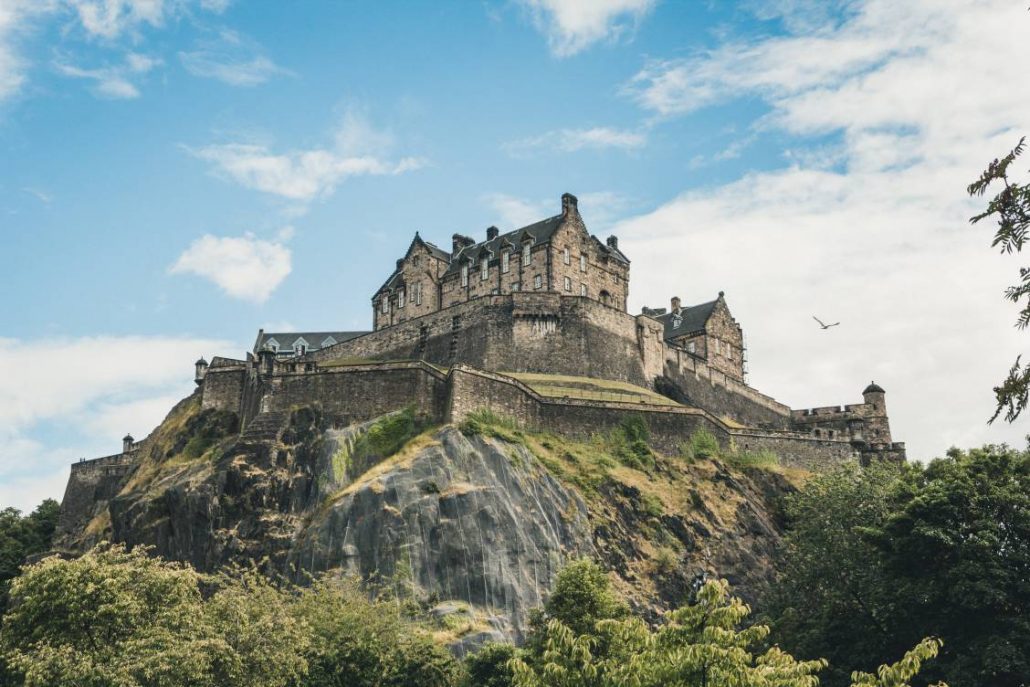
797, 449
362, 392
91, 485
702, 386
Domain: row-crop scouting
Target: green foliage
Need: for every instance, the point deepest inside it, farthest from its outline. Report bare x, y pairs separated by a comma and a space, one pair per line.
21, 537
753, 459
490, 666
367, 643
628, 443
899, 674
1011, 209
878, 558
114, 617
204, 431
581, 597
485, 422
385, 437
701, 445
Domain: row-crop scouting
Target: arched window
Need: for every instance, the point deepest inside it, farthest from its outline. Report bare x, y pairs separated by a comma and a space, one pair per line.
606, 297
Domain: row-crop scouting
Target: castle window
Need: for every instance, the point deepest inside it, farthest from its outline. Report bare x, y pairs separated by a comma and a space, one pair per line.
505, 258
400, 299
415, 260
691, 347
582, 262
568, 284
582, 289
385, 304
831, 433
527, 257
817, 434
484, 269
515, 286
538, 282
464, 276
566, 256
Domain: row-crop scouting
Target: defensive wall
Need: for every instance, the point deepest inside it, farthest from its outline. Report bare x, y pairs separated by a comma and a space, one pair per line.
91, 485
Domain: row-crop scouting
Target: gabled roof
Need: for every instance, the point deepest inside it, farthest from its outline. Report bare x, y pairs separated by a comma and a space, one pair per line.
433, 249
540, 232
688, 320
288, 340
612, 251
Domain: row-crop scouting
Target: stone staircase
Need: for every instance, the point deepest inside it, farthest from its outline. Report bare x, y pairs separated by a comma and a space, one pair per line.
265, 427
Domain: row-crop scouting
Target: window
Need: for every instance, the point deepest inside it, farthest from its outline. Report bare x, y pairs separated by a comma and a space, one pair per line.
566, 256
527, 257
415, 261
582, 262
301, 349
386, 304
538, 282
582, 289
691, 347
515, 287
418, 293
505, 258
568, 284
464, 276
400, 299
484, 269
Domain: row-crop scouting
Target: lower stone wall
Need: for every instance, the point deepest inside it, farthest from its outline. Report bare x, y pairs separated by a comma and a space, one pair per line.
91, 485
797, 450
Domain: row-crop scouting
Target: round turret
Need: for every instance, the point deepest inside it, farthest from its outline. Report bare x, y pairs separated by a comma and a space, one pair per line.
127, 443
201, 370
873, 388
875, 396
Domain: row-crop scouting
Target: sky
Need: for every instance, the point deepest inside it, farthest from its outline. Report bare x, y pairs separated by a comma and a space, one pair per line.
175, 174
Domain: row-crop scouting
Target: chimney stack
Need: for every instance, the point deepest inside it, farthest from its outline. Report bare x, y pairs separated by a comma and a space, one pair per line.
569, 204
459, 241
400, 262
613, 242
675, 304
492, 233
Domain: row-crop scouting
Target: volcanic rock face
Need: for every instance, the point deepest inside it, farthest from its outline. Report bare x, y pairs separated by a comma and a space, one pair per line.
469, 521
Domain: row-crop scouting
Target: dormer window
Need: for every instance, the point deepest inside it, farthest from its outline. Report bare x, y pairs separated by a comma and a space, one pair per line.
385, 304
566, 256
484, 269
505, 258
527, 257
464, 275
272, 345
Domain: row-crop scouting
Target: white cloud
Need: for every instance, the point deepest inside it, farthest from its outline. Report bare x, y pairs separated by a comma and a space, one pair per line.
119, 81
16, 19
573, 25
244, 267
599, 209
921, 95
233, 60
71, 398
304, 175
110, 18
572, 140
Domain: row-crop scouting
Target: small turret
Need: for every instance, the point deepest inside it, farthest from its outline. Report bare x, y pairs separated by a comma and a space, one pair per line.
127, 443
875, 396
675, 303
201, 371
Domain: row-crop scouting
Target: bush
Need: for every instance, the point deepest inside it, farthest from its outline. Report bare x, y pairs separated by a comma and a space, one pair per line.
488, 667
702, 444
628, 443
485, 422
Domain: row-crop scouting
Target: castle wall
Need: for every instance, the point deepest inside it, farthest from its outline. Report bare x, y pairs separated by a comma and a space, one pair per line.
358, 393
91, 485
702, 386
797, 449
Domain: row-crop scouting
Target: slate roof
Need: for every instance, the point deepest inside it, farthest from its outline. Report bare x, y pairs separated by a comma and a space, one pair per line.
541, 232
314, 339
690, 319
434, 249
873, 388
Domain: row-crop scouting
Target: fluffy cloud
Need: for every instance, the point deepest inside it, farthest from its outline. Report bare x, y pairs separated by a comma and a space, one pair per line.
110, 18
244, 267
871, 230
599, 209
304, 175
573, 25
117, 81
232, 60
93, 391
572, 140
16, 19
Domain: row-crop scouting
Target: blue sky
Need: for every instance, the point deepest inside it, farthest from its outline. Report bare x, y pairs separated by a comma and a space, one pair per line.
175, 174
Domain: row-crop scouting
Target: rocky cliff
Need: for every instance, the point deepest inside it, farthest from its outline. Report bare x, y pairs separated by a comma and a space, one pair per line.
474, 520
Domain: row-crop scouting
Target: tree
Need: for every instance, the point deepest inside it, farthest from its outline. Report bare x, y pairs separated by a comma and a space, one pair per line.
120, 618
21, 537
876, 559
1011, 208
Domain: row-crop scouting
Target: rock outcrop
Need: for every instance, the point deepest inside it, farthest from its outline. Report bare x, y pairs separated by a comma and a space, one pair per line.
474, 521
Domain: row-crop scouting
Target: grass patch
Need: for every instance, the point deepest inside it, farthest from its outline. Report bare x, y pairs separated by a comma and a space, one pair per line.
753, 459
628, 443
384, 438
701, 445
484, 422
588, 388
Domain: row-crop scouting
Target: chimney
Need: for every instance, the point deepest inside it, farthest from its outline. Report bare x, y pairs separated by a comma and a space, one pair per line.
400, 262
613, 242
492, 233
569, 204
126, 443
675, 304
459, 241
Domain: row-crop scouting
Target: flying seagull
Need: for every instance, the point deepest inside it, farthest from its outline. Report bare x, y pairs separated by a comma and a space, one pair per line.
824, 325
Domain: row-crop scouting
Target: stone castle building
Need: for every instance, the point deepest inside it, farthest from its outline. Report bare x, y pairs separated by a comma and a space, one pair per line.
531, 324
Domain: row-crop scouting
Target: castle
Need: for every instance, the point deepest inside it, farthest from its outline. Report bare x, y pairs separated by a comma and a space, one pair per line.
531, 324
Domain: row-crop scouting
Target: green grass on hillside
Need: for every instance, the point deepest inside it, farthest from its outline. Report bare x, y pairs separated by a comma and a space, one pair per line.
588, 388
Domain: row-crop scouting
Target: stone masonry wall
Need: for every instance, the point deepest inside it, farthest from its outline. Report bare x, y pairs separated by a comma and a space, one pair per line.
91, 484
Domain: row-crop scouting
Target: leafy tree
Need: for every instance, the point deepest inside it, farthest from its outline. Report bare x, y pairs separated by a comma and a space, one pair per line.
21, 537
876, 559
490, 666
357, 642
117, 618
1011, 209
582, 596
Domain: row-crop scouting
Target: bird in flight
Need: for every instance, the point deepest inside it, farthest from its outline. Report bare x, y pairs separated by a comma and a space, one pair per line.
823, 324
